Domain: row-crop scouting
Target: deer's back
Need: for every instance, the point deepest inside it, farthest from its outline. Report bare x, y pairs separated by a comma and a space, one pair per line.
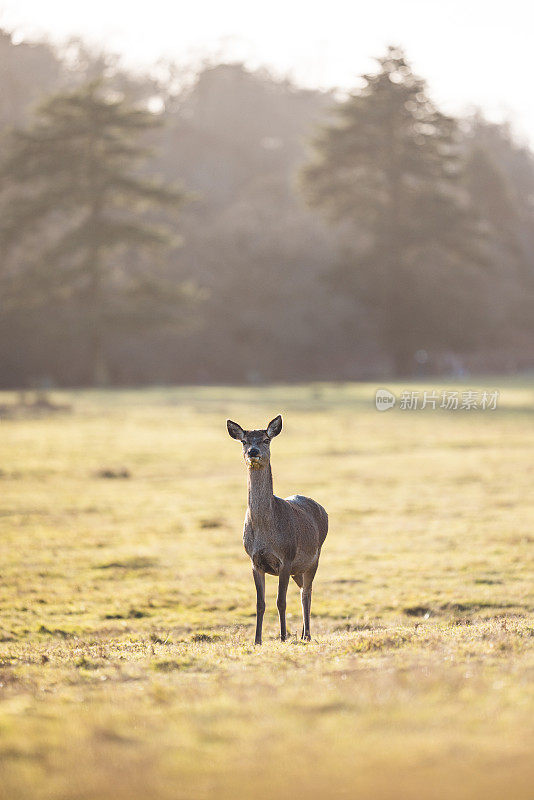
305, 524
309, 517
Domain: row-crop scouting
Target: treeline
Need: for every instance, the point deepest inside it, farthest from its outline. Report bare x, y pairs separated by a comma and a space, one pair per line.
320, 237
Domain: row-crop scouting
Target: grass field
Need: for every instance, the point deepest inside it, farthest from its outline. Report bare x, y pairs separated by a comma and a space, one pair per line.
127, 668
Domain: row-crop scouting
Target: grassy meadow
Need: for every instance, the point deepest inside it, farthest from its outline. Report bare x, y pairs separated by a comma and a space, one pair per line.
127, 606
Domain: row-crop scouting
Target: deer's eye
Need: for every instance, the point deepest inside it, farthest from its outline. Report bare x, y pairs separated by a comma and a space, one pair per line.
265, 441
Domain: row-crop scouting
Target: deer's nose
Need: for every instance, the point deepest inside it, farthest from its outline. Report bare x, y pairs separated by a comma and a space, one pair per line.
253, 452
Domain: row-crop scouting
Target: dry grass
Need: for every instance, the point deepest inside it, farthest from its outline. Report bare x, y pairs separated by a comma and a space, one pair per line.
127, 605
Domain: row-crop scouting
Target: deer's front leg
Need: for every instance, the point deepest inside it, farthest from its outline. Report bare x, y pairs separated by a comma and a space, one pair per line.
259, 580
283, 581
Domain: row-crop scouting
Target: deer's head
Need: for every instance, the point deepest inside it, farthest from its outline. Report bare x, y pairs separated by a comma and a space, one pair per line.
256, 444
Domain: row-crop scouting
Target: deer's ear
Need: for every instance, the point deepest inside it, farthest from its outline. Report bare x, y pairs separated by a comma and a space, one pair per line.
274, 427
235, 430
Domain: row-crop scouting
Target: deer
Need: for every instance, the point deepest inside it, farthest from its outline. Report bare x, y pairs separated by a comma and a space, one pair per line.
282, 537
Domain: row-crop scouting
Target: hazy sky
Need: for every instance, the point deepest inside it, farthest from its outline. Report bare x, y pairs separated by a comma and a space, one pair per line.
472, 52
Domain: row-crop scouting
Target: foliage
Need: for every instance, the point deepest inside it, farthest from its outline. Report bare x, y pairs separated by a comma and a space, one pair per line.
282, 296
392, 166
75, 165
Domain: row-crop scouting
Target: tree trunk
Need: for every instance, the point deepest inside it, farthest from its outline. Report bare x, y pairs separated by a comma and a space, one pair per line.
403, 361
99, 367
99, 364
397, 320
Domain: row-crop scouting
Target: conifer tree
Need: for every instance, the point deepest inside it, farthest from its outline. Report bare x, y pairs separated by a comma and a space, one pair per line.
73, 186
391, 165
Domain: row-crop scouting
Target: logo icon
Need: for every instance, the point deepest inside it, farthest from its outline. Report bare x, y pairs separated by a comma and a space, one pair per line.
384, 400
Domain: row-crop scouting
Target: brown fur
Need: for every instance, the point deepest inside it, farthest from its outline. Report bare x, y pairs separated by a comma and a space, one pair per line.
281, 537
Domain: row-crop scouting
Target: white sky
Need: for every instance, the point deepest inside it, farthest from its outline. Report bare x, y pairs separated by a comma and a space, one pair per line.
472, 52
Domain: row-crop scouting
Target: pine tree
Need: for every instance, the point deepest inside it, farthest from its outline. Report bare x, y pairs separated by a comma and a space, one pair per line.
72, 186
391, 166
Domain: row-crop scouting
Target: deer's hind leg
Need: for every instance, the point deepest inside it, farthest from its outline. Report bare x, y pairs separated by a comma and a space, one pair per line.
283, 581
306, 593
298, 581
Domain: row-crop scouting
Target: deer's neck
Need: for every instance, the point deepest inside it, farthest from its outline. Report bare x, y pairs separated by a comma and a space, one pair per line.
260, 494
